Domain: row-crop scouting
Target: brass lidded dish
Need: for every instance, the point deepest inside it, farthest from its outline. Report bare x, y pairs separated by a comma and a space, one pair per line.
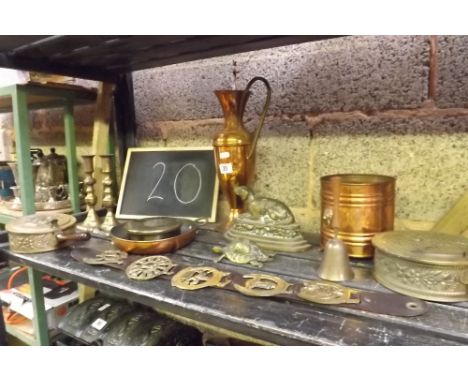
428, 265
42, 232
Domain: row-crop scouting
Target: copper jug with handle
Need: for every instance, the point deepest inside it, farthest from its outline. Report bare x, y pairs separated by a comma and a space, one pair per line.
234, 146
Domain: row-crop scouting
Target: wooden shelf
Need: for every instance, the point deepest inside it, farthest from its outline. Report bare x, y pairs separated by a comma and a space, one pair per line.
43, 96
24, 332
25, 338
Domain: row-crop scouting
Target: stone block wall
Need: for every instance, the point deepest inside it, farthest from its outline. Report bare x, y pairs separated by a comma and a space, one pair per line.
393, 105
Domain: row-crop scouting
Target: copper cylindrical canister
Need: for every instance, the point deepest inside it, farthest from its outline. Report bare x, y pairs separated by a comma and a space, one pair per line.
365, 206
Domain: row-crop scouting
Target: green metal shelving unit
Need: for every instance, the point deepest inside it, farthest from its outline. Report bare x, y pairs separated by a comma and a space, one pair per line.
20, 99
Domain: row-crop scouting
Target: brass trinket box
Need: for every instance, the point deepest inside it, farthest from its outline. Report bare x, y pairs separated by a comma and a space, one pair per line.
428, 265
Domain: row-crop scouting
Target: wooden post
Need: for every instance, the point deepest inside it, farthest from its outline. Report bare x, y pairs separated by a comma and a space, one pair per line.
454, 221
72, 166
23, 157
125, 116
101, 131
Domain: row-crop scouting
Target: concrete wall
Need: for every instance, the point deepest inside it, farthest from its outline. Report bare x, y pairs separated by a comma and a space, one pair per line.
393, 105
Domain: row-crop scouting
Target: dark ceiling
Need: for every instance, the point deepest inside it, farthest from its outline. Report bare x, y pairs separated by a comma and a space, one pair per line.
106, 57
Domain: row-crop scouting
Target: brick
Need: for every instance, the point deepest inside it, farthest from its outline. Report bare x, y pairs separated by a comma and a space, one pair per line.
47, 126
358, 72
452, 84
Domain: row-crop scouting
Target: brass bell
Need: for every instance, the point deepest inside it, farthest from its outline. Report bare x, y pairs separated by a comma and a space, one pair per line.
335, 265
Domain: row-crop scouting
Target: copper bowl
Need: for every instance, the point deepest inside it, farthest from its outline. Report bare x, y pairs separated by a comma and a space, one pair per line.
123, 240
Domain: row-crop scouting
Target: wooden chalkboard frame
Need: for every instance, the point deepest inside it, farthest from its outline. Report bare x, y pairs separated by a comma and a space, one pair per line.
130, 151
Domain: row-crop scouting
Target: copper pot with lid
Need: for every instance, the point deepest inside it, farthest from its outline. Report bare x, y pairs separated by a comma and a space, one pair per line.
428, 265
42, 232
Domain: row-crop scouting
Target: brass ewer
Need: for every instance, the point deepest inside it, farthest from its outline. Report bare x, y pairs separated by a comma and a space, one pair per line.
234, 146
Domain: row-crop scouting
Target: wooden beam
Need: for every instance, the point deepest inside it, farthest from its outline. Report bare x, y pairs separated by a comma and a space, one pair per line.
125, 124
101, 131
455, 221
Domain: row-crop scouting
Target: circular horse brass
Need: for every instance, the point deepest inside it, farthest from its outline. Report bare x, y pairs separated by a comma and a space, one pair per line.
322, 292
149, 268
258, 285
194, 278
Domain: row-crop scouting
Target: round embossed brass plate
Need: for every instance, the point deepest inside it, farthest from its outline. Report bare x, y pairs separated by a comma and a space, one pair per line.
149, 268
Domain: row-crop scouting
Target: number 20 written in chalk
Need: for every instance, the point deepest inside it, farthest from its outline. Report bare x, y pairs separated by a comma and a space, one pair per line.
161, 165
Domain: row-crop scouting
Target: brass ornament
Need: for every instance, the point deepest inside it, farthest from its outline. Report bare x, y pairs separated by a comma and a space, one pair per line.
108, 200
322, 292
267, 222
110, 256
92, 221
243, 252
149, 268
335, 265
262, 285
194, 278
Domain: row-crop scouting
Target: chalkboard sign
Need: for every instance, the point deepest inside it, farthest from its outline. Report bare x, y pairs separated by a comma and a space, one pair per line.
177, 182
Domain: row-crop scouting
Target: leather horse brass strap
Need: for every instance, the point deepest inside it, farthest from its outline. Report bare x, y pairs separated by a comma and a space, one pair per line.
315, 291
261, 285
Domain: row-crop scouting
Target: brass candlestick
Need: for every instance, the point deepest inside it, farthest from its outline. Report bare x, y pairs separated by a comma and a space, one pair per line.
108, 198
91, 223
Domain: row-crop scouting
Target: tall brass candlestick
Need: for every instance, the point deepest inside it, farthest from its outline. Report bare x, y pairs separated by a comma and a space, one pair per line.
91, 222
107, 199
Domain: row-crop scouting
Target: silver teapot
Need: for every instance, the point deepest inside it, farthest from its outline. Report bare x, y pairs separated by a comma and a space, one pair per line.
52, 170
52, 177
